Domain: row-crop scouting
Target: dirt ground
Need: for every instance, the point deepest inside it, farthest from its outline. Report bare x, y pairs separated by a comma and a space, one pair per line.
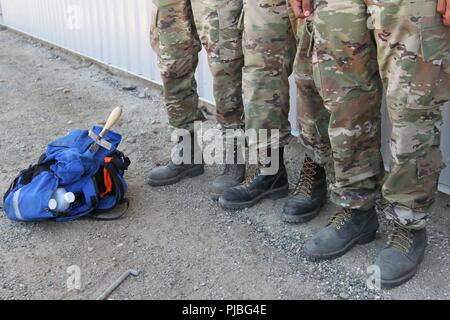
185, 246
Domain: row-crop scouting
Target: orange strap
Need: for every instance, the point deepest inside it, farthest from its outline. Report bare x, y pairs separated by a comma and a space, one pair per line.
107, 179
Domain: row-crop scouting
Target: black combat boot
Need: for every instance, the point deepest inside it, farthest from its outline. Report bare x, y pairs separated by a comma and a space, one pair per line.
257, 187
232, 176
172, 173
399, 260
345, 229
309, 196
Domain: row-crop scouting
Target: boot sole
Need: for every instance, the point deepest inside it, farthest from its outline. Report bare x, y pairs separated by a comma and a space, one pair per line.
273, 194
304, 218
390, 284
361, 240
191, 173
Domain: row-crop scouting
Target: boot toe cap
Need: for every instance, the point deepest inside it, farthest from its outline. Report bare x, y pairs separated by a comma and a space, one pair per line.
322, 244
295, 207
394, 264
159, 173
234, 194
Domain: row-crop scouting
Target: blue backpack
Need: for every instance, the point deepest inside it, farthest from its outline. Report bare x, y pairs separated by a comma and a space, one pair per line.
93, 175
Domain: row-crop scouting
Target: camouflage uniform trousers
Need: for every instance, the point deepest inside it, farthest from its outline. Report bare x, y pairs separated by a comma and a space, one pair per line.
317, 119
412, 47
269, 51
179, 30
312, 115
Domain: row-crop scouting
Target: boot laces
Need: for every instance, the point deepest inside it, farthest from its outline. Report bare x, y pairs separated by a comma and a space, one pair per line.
340, 218
252, 176
384, 207
400, 238
305, 184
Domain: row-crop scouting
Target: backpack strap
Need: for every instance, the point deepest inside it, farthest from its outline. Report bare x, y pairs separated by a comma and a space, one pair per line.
118, 162
104, 215
117, 183
11, 187
27, 175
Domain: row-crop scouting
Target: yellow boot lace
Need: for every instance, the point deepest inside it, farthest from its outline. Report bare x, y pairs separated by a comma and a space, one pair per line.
401, 238
340, 218
305, 184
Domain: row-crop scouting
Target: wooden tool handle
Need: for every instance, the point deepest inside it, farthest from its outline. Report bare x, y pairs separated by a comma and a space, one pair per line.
113, 118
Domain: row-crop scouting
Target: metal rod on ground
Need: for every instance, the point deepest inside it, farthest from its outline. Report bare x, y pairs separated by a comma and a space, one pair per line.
117, 283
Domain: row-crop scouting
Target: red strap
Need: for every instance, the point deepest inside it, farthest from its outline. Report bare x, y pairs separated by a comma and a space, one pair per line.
107, 179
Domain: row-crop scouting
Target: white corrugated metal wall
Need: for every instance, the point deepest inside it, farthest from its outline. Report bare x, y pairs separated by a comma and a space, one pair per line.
1, 14
116, 32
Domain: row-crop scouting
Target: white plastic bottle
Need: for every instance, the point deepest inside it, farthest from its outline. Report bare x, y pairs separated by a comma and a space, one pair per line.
61, 200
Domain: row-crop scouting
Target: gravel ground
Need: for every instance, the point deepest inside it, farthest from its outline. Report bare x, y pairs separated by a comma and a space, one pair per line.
185, 246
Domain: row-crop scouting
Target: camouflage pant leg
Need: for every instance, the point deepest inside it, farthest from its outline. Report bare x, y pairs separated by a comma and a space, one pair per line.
413, 53
175, 40
217, 24
313, 117
269, 49
346, 72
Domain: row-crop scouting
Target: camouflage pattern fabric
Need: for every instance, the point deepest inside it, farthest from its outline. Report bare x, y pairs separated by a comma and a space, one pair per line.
313, 117
346, 74
412, 47
414, 55
269, 51
180, 29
